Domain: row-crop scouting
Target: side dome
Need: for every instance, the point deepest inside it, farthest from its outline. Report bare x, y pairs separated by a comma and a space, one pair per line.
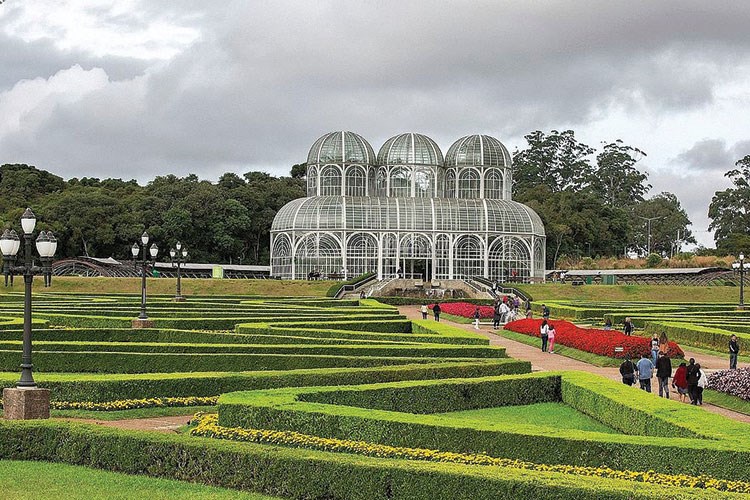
410, 149
341, 147
478, 150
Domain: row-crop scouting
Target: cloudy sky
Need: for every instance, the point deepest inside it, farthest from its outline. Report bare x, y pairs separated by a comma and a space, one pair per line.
135, 89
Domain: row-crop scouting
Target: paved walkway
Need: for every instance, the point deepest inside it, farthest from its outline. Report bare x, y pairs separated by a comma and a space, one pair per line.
157, 424
542, 361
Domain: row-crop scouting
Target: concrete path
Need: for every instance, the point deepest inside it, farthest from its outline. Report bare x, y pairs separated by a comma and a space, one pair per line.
157, 424
542, 361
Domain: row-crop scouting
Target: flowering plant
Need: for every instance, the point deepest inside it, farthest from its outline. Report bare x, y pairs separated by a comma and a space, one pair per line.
601, 342
733, 382
465, 310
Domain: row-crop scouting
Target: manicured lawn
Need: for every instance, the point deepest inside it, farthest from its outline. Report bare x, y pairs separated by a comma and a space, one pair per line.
726, 401
556, 415
630, 293
190, 286
48, 481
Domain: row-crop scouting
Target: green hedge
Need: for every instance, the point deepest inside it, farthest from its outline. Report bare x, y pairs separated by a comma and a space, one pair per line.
303, 474
111, 387
700, 336
672, 429
108, 362
334, 289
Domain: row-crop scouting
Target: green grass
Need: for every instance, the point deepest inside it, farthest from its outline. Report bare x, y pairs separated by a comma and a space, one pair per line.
630, 293
711, 352
726, 401
569, 352
554, 415
190, 286
48, 481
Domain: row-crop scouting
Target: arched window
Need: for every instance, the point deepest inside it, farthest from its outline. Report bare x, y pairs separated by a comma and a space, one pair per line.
317, 253
312, 181
416, 246
371, 181
450, 184
442, 256
539, 258
355, 181
330, 181
400, 182
381, 183
468, 184
390, 248
493, 184
281, 259
361, 254
468, 257
509, 259
424, 183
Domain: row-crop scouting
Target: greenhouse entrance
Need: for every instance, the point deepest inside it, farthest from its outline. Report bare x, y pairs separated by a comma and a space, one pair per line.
419, 268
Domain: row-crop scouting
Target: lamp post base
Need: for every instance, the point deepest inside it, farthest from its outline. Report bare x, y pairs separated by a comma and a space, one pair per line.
142, 323
178, 298
25, 404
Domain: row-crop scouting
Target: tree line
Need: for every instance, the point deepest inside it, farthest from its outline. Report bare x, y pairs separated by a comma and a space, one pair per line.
593, 202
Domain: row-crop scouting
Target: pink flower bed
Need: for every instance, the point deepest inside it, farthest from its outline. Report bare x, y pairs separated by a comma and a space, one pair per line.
733, 382
465, 310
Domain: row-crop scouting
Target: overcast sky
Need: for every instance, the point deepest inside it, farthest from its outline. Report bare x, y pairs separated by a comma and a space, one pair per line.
135, 89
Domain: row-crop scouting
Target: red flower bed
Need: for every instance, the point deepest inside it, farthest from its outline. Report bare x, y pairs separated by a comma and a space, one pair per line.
465, 310
601, 342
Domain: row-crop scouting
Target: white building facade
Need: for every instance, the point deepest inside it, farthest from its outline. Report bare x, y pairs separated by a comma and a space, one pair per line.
408, 211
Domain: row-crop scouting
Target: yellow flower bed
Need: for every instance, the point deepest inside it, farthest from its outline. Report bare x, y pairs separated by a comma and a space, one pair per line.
207, 426
131, 404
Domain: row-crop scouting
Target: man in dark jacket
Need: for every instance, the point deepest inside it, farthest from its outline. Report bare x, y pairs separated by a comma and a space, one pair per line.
693, 374
734, 350
436, 311
627, 370
663, 372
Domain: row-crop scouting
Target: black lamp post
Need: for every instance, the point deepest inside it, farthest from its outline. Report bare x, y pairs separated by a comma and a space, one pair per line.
135, 250
46, 245
179, 255
740, 264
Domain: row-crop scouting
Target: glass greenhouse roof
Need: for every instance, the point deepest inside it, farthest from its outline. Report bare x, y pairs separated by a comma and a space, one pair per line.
410, 149
341, 147
329, 213
474, 150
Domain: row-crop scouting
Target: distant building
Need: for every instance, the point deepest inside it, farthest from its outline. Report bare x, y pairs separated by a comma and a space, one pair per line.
408, 212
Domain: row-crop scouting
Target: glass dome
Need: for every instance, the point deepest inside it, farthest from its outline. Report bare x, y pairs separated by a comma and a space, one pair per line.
410, 149
341, 147
478, 150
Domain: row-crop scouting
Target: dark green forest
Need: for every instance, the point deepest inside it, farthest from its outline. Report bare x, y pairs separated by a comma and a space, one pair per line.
593, 202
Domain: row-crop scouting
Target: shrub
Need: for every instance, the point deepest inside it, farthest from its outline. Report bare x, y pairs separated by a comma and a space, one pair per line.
465, 310
334, 289
601, 342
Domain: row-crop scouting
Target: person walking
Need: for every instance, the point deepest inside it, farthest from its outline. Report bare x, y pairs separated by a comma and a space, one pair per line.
551, 337
424, 310
654, 348
692, 375
734, 351
477, 315
544, 334
679, 382
702, 382
496, 316
436, 312
529, 314
627, 370
545, 311
663, 372
627, 327
645, 370
504, 312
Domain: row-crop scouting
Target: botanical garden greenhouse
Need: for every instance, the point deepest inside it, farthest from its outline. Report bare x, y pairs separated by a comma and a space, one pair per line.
408, 212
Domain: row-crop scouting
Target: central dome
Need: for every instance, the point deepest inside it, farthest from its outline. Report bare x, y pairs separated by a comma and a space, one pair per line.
341, 147
410, 149
477, 150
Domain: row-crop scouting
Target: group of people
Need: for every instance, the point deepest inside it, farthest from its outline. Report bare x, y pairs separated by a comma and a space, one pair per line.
547, 333
435, 311
689, 379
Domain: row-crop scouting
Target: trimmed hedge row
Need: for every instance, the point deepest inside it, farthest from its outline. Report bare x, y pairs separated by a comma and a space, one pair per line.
304, 474
673, 430
101, 388
107, 362
696, 335
336, 287
394, 350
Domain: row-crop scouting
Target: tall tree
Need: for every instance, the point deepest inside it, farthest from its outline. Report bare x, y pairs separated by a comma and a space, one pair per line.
615, 177
729, 211
556, 160
669, 224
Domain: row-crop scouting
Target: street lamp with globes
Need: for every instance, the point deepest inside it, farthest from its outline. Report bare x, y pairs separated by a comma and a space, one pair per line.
142, 321
179, 255
740, 264
46, 245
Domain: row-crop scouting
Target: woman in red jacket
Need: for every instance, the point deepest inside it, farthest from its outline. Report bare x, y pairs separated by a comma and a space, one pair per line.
679, 381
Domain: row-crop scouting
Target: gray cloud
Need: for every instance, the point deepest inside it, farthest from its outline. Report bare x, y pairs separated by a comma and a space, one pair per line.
265, 79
